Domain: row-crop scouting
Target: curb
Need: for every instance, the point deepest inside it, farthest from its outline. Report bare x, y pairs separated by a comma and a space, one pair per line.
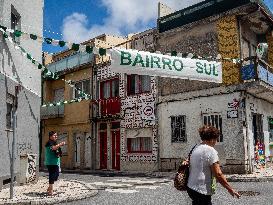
53, 200
250, 179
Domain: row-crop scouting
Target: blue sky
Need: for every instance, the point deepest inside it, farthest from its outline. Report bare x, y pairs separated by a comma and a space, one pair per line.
79, 20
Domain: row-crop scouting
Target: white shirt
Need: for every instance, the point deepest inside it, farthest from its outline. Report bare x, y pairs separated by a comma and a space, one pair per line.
200, 178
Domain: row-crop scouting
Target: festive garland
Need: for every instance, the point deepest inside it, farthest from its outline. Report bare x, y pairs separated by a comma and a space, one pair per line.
46, 73
102, 51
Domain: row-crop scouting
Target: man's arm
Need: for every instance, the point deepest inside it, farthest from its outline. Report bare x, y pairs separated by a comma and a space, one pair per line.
55, 147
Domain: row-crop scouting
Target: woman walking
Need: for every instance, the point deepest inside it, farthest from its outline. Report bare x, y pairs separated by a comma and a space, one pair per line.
53, 153
205, 169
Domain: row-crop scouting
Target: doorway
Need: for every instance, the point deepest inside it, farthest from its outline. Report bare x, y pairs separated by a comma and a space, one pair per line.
103, 145
115, 135
257, 124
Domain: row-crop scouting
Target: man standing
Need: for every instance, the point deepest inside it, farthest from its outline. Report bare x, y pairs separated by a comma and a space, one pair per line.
53, 153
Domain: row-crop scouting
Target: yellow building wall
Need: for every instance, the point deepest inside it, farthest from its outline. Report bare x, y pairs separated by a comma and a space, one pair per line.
76, 116
67, 161
229, 47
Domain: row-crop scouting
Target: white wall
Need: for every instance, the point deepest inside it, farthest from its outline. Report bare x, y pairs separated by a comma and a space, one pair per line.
14, 69
193, 107
259, 106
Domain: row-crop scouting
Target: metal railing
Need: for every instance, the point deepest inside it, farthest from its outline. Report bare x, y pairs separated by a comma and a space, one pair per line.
260, 70
106, 108
70, 62
52, 112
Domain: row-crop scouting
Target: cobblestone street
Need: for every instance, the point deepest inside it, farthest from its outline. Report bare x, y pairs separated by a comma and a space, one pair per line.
154, 191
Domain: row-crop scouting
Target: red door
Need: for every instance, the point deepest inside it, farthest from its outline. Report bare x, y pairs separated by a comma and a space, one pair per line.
103, 150
115, 149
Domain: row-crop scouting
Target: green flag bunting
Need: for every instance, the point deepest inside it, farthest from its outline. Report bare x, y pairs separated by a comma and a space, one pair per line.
102, 51
75, 47
33, 37
61, 43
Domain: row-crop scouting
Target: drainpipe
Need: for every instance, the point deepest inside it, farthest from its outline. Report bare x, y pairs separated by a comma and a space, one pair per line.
247, 135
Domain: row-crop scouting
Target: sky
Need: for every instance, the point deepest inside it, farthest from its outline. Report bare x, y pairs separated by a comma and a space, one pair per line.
79, 20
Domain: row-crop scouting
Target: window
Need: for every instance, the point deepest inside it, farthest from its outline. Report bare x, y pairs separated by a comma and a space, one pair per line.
15, 23
137, 84
9, 105
58, 95
9, 116
178, 126
214, 120
110, 88
139, 145
270, 120
83, 86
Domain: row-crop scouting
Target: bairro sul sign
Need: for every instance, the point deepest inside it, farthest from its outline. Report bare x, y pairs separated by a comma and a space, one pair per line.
153, 64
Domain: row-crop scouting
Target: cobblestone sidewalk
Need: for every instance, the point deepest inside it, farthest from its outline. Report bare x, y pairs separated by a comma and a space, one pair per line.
65, 191
259, 175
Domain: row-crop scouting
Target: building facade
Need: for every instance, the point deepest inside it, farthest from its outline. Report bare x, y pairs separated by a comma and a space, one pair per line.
72, 121
241, 107
17, 71
125, 118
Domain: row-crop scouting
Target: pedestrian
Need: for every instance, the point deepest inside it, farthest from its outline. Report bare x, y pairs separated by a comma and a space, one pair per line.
205, 169
53, 153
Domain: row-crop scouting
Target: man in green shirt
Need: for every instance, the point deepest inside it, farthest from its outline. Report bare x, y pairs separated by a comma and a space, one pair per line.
53, 153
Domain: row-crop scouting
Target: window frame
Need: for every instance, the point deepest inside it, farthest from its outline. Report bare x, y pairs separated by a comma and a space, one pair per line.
220, 121
173, 129
129, 146
110, 81
129, 88
15, 25
82, 88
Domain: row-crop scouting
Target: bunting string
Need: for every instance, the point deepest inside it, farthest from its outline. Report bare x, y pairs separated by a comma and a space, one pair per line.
45, 72
103, 51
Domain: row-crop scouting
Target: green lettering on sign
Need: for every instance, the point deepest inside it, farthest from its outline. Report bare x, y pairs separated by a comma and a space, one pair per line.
168, 62
155, 60
125, 56
138, 59
207, 70
178, 65
199, 68
215, 70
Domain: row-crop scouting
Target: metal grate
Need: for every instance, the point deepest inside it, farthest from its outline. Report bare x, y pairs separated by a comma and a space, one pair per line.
178, 125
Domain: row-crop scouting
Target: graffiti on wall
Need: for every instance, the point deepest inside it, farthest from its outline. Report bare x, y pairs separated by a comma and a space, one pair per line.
133, 116
24, 148
31, 168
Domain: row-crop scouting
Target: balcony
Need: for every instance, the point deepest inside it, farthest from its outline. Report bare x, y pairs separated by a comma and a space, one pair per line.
70, 62
52, 112
109, 107
262, 74
261, 71
106, 108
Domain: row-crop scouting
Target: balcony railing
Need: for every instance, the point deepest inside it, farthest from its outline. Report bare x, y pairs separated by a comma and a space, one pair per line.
52, 112
109, 107
70, 62
260, 70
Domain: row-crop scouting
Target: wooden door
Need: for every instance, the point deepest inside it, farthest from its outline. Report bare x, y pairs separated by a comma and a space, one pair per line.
103, 150
115, 149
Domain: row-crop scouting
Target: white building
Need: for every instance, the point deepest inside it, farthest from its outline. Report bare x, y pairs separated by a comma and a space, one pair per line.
16, 69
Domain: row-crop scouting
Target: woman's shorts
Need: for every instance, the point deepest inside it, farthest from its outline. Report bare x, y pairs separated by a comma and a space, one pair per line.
53, 171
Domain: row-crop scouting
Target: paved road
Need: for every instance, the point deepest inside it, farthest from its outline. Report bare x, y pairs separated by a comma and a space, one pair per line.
157, 191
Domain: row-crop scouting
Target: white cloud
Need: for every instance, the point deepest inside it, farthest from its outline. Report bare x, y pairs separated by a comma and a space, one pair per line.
124, 16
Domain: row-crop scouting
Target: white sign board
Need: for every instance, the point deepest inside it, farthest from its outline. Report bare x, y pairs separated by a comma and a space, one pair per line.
153, 64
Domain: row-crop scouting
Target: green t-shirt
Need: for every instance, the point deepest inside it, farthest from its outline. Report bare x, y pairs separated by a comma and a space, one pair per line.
50, 155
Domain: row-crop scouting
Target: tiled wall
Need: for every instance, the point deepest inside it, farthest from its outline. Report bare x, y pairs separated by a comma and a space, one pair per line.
229, 47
